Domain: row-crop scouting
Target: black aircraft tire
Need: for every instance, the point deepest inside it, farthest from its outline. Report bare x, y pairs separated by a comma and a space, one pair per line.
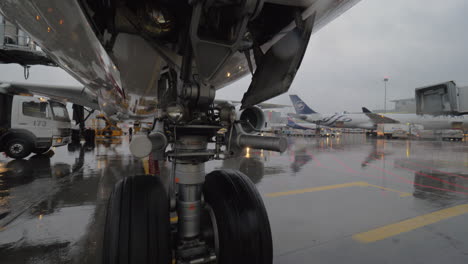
137, 224
243, 229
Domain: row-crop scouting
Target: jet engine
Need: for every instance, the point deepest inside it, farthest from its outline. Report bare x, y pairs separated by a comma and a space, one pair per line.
252, 118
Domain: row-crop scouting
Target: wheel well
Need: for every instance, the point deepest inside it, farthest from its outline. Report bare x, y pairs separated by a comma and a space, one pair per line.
26, 135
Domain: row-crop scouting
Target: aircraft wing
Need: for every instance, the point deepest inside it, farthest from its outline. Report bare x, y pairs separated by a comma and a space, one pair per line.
72, 94
271, 106
378, 118
261, 105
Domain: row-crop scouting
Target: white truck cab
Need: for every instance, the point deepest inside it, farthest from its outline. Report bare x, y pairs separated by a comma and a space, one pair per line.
32, 125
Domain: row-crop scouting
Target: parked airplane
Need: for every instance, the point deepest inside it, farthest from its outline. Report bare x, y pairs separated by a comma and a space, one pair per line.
427, 121
293, 124
343, 120
369, 120
166, 59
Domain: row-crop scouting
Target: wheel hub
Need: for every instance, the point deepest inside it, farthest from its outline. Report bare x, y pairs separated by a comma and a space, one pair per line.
210, 228
16, 148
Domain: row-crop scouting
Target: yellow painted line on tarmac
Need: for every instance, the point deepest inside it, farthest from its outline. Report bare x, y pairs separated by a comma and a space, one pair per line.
410, 224
336, 186
316, 189
402, 194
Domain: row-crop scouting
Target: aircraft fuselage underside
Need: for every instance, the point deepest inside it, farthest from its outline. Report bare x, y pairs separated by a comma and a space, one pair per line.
121, 50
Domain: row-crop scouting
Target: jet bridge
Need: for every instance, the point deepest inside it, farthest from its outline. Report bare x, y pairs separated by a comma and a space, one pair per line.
442, 99
17, 47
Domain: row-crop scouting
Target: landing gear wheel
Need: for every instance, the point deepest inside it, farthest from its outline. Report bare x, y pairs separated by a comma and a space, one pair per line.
40, 150
137, 223
243, 230
18, 148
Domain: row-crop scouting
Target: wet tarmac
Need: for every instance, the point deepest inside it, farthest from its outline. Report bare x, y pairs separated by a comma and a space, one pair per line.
347, 199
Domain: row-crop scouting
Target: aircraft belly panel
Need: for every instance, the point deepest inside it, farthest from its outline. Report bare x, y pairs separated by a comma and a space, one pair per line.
234, 69
140, 68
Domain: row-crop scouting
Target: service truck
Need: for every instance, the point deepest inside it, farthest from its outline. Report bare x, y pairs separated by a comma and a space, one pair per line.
325, 132
105, 128
442, 134
32, 125
398, 130
451, 134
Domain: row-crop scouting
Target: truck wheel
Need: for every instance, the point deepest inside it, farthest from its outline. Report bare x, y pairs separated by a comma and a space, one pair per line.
18, 148
40, 150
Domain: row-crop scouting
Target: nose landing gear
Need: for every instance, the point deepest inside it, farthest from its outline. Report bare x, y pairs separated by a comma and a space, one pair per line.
221, 216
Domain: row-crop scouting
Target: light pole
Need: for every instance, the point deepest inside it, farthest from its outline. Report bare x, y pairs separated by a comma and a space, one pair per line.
385, 96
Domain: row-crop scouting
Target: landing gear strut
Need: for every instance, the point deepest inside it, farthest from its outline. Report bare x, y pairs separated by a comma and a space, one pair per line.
220, 216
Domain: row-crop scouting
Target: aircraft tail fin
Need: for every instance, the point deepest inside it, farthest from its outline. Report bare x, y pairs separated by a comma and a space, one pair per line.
299, 105
291, 122
366, 110
378, 118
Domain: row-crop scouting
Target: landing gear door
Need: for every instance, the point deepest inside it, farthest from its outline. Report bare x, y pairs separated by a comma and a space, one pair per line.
277, 68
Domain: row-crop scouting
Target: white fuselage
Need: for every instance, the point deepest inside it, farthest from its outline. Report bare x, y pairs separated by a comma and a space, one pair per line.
341, 120
432, 122
359, 120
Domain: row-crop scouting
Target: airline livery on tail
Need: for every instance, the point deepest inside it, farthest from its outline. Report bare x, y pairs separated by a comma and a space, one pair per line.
304, 112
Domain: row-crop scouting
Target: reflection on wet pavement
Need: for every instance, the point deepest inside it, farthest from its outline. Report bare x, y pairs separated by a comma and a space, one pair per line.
52, 206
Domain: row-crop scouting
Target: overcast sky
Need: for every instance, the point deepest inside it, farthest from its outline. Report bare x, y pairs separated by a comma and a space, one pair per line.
414, 42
